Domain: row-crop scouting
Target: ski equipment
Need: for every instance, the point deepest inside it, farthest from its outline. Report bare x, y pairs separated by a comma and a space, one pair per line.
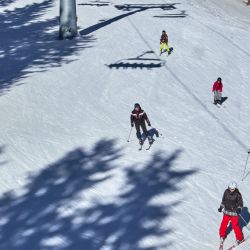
243, 177
128, 140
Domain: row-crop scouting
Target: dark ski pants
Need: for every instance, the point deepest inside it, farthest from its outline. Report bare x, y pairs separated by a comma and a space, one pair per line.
235, 225
138, 130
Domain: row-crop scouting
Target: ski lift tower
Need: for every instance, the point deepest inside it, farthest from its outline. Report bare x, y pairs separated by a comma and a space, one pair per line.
68, 19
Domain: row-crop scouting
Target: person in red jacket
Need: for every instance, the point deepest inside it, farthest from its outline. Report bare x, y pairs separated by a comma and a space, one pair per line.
217, 89
138, 118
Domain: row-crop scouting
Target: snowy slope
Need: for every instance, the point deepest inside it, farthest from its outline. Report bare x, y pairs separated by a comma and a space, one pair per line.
69, 179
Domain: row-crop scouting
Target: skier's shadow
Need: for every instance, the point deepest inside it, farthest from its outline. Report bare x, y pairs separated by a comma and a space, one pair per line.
223, 99
243, 223
152, 132
246, 216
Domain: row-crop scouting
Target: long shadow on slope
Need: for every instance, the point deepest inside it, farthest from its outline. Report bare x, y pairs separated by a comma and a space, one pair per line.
126, 7
63, 208
29, 43
139, 62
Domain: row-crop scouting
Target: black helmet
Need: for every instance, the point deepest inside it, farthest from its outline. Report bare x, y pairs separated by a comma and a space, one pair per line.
137, 105
219, 79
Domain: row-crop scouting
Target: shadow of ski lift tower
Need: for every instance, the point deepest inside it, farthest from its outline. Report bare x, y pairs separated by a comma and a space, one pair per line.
140, 62
129, 7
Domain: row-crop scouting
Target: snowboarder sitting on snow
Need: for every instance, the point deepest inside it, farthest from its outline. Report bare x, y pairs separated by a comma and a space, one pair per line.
138, 118
217, 89
164, 43
231, 205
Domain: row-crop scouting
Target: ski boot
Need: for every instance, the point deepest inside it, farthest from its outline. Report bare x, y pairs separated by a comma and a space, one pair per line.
141, 142
221, 243
238, 242
157, 133
150, 140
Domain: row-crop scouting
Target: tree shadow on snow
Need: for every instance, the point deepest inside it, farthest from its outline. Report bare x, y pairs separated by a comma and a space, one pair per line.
4, 3
67, 205
29, 43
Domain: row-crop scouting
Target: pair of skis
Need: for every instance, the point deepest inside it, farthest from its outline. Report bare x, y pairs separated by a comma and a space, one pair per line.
234, 246
171, 49
149, 146
220, 105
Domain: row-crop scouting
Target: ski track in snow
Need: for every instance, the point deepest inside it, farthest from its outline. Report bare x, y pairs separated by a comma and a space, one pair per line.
69, 179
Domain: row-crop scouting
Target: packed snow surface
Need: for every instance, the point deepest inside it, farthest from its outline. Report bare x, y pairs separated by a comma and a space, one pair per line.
69, 180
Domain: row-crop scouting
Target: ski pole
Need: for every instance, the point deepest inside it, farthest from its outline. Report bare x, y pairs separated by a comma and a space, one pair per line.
129, 134
248, 152
245, 222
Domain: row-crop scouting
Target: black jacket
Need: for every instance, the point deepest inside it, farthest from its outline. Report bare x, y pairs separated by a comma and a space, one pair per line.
139, 117
231, 201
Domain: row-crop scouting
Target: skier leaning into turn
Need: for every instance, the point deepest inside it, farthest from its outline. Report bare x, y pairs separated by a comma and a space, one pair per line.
138, 118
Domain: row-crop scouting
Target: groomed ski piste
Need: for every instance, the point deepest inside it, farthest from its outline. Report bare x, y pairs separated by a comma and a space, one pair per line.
69, 180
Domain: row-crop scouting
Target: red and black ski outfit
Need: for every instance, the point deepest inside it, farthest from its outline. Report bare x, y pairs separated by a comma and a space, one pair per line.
232, 204
138, 118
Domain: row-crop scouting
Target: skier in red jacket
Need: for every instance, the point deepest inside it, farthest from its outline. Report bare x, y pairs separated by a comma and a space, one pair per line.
138, 118
217, 89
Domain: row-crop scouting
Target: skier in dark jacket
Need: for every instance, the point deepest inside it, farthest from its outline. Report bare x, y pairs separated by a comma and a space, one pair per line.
138, 118
231, 205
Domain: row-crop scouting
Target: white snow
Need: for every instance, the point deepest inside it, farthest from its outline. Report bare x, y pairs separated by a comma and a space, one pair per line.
69, 179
